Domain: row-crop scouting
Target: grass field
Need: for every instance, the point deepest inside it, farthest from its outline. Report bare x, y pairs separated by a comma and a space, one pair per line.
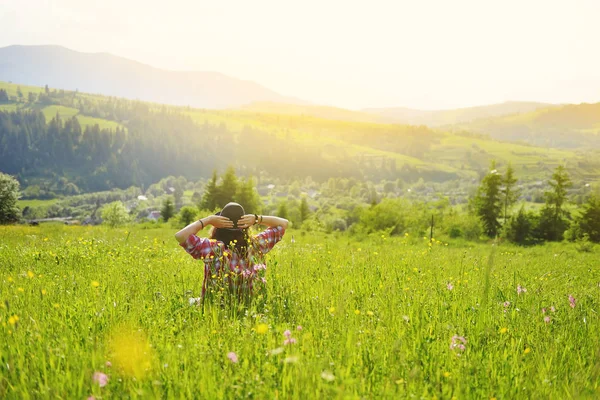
380, 318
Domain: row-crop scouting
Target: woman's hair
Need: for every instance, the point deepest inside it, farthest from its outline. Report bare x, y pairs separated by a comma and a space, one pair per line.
237, 240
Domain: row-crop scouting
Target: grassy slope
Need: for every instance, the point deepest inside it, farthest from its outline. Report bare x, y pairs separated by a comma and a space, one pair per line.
52, 110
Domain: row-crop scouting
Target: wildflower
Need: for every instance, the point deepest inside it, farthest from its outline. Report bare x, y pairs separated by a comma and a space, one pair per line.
20, 290
328, 376
449, 286
547, 319
95, 283
503, 330
458, 344
527, 351
370, 313
263, 280
10, 279
446, 374
357, 312
405, 318
13, 319
194, 300
521, 289
291, 360
91, 398
572, 301
544, 310
108, 364
331, 310
44, 292
261, 329
276, 351
100, 378
289, 341
293, 240
232, 357
287, 334
552, 309
299, 327
506, 304
30, 274
56, 305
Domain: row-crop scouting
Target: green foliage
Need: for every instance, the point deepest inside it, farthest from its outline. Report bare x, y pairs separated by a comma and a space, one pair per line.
521, 228
211, 194
187, 215
304, 210
282, 210
9, 194
509, 193
168, 209
554, 217
588, 222
488, 201
247, 196
115, 214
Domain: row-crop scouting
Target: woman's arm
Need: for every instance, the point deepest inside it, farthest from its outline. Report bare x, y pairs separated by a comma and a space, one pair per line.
270, 221
193, 228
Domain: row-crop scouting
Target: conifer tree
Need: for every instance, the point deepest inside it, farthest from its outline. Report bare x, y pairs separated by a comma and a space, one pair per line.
168, 209
209, 198
509, 192
488, 201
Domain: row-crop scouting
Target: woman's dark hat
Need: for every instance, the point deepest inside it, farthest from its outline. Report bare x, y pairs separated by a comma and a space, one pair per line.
234, 212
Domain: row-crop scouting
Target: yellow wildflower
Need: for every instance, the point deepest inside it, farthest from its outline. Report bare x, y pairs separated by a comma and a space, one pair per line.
30, 274
446, 374
20, 289
357, 312
13, 319
261, 329
527, 350
95, 283
503, 330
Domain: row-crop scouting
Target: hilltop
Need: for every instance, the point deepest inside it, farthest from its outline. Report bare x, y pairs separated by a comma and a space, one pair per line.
110, 75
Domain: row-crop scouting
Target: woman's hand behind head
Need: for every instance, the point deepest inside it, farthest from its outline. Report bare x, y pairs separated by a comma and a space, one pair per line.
220, 222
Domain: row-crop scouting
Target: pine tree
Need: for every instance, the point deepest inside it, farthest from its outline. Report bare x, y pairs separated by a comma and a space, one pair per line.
248, 197
589, 220
168, 209
488, 201
553, 217
282, 210
227, 188
209, 198
509, 193
304, 210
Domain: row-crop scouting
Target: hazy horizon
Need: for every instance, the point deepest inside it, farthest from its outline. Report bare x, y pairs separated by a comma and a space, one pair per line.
431, 55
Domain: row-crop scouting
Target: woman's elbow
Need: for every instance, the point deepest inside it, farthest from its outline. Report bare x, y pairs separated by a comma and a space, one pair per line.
285, 223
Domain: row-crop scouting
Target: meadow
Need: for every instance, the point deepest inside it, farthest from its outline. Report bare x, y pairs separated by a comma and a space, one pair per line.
92, 311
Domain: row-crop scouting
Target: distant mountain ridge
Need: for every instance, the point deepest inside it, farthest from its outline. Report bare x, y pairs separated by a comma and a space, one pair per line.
106, 74
454, 116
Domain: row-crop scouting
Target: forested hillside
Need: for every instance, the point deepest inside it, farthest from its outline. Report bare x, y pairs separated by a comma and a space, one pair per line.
568, 126
96, 143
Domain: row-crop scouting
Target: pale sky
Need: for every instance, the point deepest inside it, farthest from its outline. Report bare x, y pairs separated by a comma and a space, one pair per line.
426, 54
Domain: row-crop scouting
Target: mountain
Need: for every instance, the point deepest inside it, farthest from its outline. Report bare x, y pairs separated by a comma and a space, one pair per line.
566, 126
106, 74
454, 116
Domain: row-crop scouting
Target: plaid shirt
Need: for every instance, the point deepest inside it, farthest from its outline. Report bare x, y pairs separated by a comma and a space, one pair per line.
224, 265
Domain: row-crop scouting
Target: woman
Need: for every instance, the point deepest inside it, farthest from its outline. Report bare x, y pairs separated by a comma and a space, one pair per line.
233, 260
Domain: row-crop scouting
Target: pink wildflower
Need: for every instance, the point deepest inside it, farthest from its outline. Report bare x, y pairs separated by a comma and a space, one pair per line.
572, 301
100, 378
108, 364
458, 343
232, 357
299, 327
552, 309
91, 398
544, 310
506, 304
521, 289
547, 319
450, 286
263, 280
287, 334
289, 341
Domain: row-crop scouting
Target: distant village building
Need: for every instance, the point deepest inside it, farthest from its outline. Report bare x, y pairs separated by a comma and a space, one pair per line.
154, 215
